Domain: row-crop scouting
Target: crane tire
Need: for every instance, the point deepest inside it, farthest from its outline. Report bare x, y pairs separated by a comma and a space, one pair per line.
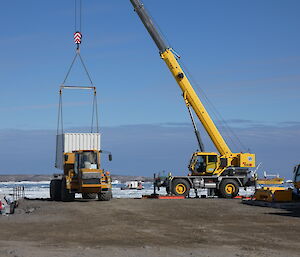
66, 196
89, 196
105, 195
180, 187
55, 190
229, 188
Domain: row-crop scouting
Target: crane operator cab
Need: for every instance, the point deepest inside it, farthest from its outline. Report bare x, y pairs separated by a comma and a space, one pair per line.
203, 163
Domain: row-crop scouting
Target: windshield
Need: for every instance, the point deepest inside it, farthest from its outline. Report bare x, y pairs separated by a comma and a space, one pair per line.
200, 164
88, 160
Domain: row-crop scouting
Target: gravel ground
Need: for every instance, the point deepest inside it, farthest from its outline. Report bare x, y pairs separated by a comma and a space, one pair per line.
144, 227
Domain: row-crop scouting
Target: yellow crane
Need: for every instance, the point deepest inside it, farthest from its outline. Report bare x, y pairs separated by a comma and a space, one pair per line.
225, 171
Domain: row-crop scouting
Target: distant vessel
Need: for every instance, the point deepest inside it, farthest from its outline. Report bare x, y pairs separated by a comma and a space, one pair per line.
115, 182
133, 185
271, 179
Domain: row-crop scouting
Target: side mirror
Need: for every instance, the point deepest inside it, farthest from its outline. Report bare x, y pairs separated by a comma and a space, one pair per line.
110, 157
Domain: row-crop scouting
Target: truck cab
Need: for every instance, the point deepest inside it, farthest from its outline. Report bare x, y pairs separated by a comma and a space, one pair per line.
82, 174
84, 166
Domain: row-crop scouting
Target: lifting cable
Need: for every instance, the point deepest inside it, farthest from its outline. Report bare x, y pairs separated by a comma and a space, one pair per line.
77, 40
226, 128
95, 113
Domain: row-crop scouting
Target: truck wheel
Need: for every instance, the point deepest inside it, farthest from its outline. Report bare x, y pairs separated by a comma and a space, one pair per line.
89, 196
66, 196
105, 195
180, 187
229, 188
55, 190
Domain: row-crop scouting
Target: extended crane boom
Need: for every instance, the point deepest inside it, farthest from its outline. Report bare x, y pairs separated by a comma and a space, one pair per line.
189, 93
225, 171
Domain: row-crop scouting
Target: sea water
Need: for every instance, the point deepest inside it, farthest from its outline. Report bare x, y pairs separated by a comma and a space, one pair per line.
40, 189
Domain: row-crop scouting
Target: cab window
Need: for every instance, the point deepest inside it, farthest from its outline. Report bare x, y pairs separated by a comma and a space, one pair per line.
212, 158
211, 163
200, 165
88, 160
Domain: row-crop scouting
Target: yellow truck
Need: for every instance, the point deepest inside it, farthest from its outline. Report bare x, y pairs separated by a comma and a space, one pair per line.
225, 171
78, 155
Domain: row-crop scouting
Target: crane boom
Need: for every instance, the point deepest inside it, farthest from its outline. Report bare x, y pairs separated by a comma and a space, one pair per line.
189, 94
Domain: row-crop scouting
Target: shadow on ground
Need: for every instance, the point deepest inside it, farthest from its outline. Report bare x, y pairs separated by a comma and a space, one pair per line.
288, 212
49, 200
288, 209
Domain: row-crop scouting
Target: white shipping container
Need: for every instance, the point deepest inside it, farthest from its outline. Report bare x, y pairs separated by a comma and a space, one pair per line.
69, 142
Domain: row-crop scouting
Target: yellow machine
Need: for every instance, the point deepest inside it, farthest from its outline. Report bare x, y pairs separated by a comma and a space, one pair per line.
274, 194
280, 194
225, 171
82, 174
272, 181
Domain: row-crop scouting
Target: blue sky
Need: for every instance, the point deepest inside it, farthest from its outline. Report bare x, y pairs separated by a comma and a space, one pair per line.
243, 54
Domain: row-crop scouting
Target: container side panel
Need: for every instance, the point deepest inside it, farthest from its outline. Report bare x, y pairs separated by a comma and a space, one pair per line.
59, 152
69, 142
81, 141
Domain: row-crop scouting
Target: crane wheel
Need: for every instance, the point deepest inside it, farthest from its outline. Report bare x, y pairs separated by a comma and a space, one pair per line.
55, 190
229, 188
66, 196
89, 196
105, 195
180, 187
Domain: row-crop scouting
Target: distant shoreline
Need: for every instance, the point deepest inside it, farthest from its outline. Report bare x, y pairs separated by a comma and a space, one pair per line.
37, 178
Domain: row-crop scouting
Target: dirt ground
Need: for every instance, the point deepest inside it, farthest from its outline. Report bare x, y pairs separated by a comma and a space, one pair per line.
136, 227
